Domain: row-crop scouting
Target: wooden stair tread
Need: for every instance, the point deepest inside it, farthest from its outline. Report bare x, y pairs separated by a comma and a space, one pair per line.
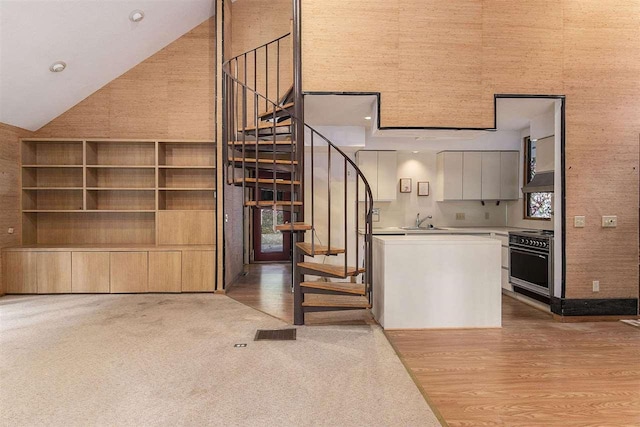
269, 114
266, 181
264, 161
285, 96
350, 288
266, 126
271, 203
319, 249
330, 270
336, 302
296, 226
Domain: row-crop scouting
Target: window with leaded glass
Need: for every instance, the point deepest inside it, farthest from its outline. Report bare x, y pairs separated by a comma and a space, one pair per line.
537, 205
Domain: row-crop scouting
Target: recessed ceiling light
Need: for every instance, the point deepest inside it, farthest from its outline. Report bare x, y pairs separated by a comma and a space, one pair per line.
415, 152
57, 67
368, 118
136, 16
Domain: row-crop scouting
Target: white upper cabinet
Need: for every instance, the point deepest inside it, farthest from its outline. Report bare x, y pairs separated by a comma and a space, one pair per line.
509, 178
491, 175
477, 175
380, 170
387, 175
472, 175
449, 179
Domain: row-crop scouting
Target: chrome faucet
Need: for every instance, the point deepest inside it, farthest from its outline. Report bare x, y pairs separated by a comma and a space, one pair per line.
420, 221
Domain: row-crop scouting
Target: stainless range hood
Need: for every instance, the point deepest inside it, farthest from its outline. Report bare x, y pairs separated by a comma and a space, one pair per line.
542, 181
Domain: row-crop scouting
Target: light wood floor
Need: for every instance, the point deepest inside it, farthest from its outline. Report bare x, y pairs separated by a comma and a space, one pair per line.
267, 287
531, 372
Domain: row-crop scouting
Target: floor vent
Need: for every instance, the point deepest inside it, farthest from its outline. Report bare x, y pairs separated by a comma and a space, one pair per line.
275, 335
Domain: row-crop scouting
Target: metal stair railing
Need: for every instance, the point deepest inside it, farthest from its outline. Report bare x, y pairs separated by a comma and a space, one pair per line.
240, 98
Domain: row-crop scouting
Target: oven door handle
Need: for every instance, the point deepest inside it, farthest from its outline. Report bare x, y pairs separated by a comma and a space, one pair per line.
528, 252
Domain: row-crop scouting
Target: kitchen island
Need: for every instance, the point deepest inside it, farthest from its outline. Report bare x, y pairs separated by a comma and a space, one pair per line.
437, 281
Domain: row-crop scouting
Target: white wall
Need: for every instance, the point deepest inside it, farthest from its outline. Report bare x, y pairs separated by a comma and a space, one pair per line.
402, 211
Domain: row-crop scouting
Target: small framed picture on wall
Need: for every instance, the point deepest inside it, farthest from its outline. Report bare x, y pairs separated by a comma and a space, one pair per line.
405, 185
423, 188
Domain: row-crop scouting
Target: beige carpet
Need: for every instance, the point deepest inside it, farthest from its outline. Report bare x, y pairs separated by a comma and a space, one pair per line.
134, 360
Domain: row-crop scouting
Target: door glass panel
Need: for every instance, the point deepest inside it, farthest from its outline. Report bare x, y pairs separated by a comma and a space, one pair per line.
270, 239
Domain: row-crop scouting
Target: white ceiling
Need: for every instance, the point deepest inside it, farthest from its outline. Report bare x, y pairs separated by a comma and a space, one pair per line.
94, 37
516, 113
513, 114
339, 110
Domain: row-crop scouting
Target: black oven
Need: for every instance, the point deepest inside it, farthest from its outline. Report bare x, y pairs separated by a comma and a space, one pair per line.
531, 262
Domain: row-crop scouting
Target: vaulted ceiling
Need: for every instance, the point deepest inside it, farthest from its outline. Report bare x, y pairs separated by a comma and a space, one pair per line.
94, 38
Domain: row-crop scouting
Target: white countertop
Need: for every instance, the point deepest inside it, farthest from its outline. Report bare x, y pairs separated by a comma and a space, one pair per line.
437, 239
504, 231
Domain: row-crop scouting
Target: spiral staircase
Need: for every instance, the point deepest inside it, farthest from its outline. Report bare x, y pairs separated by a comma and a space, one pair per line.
282, 163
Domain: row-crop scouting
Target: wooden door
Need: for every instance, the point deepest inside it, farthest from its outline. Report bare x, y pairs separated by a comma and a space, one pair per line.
19, 272
165, 271
53, 272
269, 244
90, 272
198, 271
129, 272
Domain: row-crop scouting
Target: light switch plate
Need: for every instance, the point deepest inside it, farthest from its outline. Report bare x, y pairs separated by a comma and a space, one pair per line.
609, 221
596, 286
579, 221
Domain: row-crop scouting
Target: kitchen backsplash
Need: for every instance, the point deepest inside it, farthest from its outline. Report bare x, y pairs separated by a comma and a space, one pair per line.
402, 211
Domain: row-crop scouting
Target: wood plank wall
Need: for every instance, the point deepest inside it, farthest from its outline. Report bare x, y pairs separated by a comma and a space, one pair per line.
170, 95
439, 63
10, 187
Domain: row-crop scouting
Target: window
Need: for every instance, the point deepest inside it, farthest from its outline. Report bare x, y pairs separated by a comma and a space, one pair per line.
537, 205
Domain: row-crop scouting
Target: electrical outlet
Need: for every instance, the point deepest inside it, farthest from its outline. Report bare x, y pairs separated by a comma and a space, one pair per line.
609, 221
226, 217
460, 215
596, 286
579, 221
487, 215
10, 230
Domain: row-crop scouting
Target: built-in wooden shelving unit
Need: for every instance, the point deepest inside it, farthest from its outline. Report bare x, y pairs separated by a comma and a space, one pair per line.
106, 191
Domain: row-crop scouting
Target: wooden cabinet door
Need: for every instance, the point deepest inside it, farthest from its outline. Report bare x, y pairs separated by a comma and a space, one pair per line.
491, 175
19, 272
129, 272
509, 176
452, 178
367, 162
387, 175
472, 175
53, 272
165, 271
198, 271
90, 272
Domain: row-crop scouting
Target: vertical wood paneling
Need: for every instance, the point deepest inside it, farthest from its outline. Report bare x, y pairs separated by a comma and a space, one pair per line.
170, 95
601, 68
439, 63
10, 187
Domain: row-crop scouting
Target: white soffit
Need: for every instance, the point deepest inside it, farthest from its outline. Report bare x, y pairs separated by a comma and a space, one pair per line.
339, 110
516, 113
94, 37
